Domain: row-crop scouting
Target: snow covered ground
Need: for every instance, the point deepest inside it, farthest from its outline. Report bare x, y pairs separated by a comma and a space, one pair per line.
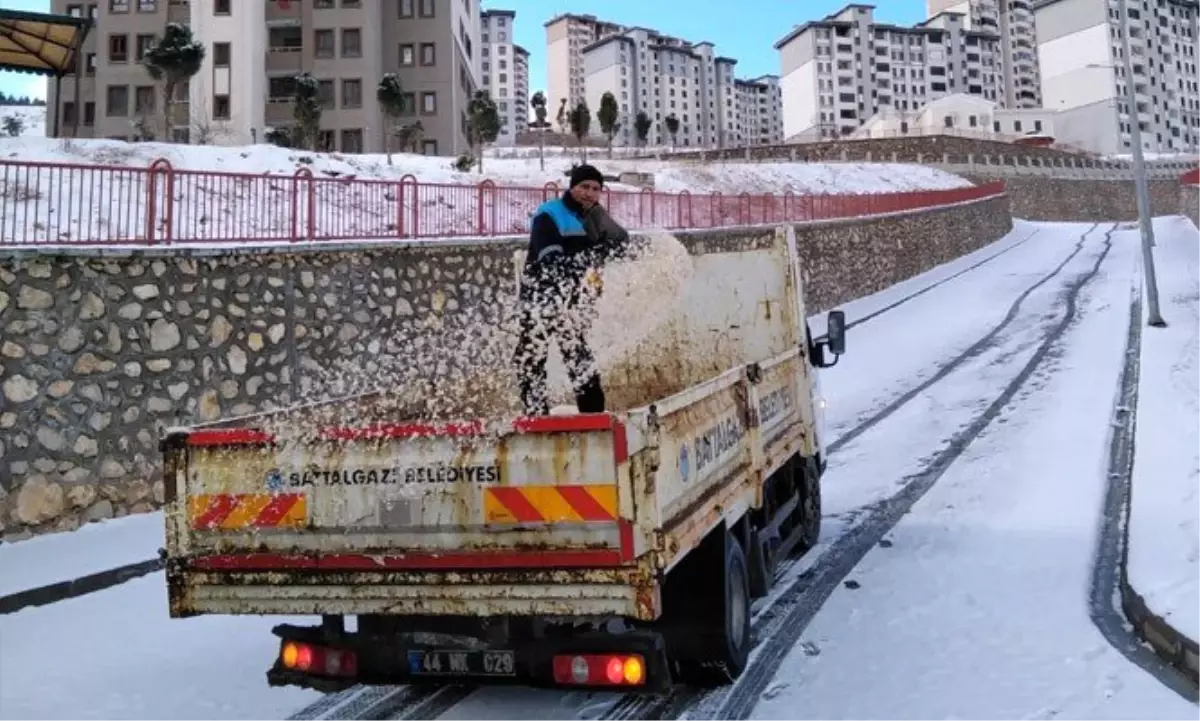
32, 116
806, 178
253, 199
977, 607
1164, 525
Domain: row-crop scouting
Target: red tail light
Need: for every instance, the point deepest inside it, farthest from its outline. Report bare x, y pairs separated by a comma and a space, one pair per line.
318, 660
600, 670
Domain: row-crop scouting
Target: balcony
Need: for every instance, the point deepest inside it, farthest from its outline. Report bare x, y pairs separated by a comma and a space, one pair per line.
277, 16
284, 60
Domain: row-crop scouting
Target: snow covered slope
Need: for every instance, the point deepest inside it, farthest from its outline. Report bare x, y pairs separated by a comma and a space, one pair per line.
33, 117
1164, 522
754, 178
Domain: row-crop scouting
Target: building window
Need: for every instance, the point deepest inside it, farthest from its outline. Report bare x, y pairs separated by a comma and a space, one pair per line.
352, 93
351, 43
147, 6
89, 113
428, 54
429, 103
426, 8
118, 48
323, 44
351, 3
221, 107
68, 113
222, 7
408, 103
75, 11
325, 94
281, 88
408, 55
143, 100
183, 136
406, 8
116, 101
118, 6
325, 142
89, 63
429, 147
322, 4
352, 141
221, 53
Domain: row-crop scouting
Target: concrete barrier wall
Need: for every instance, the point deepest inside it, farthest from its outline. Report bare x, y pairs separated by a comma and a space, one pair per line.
102, 349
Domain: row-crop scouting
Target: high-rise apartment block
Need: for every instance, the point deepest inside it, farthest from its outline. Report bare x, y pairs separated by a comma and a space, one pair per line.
1013, 22
661, 76
255, 48
504, 70
840, 71
1082, 58
759, 106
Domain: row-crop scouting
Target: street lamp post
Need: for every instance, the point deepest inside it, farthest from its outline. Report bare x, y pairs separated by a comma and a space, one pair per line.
1153, 317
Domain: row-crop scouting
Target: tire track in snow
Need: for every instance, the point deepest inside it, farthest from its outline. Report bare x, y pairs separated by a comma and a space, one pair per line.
807, 597
636, 706
768, 625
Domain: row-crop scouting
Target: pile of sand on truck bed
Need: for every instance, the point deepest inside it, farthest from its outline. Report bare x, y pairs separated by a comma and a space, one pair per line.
461, 367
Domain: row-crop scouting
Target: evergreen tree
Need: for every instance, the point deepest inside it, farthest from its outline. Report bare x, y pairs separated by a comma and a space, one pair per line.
173, 59
608, 116
13, 125
673, 128
581, 122
642, 125
307, 112
538, 102
390, 94
483, 122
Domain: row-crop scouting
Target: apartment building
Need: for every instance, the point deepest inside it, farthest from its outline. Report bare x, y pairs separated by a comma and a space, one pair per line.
1084, 79
1013, 21
759, 106
840, 71
504, 72
255, 48
690, 82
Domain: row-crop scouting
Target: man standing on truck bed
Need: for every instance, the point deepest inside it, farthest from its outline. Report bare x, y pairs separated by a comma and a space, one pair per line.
570, 238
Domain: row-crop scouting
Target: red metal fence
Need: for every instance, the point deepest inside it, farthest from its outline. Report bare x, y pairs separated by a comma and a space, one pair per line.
1192, 177
43, 203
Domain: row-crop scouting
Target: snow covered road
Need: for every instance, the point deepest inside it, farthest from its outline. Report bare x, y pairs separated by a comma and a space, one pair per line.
970, 428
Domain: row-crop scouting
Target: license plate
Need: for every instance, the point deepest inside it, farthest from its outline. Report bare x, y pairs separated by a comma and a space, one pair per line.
461, 663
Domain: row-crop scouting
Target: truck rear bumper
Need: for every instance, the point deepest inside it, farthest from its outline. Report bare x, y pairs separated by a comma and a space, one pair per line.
384, 660
623, 592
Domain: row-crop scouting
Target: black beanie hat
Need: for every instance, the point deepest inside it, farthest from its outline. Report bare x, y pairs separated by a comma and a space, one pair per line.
581, 173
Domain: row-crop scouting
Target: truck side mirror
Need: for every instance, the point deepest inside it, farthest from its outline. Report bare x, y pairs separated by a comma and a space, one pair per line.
835, 333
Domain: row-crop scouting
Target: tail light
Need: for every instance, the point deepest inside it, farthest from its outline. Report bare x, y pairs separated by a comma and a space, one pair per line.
600, 670
318, 660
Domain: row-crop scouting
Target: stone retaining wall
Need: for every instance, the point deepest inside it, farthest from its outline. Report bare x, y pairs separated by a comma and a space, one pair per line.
1189, 202
1063, 199
102, 349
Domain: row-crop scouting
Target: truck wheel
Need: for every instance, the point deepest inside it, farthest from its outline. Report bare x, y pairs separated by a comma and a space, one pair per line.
810, 504
726, 647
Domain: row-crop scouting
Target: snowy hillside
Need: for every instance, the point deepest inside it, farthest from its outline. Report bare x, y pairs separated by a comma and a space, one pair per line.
33, 118
754, 178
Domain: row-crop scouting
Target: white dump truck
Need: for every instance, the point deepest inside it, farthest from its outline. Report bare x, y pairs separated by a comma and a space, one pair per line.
618, 550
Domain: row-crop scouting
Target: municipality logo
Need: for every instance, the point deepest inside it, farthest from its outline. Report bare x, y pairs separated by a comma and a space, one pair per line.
274, 480
685, 468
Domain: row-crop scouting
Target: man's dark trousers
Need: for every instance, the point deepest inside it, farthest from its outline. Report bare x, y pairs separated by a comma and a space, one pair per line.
546, 316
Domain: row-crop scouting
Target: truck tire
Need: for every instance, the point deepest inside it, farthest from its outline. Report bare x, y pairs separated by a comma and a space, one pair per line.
809, 510
725, 646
